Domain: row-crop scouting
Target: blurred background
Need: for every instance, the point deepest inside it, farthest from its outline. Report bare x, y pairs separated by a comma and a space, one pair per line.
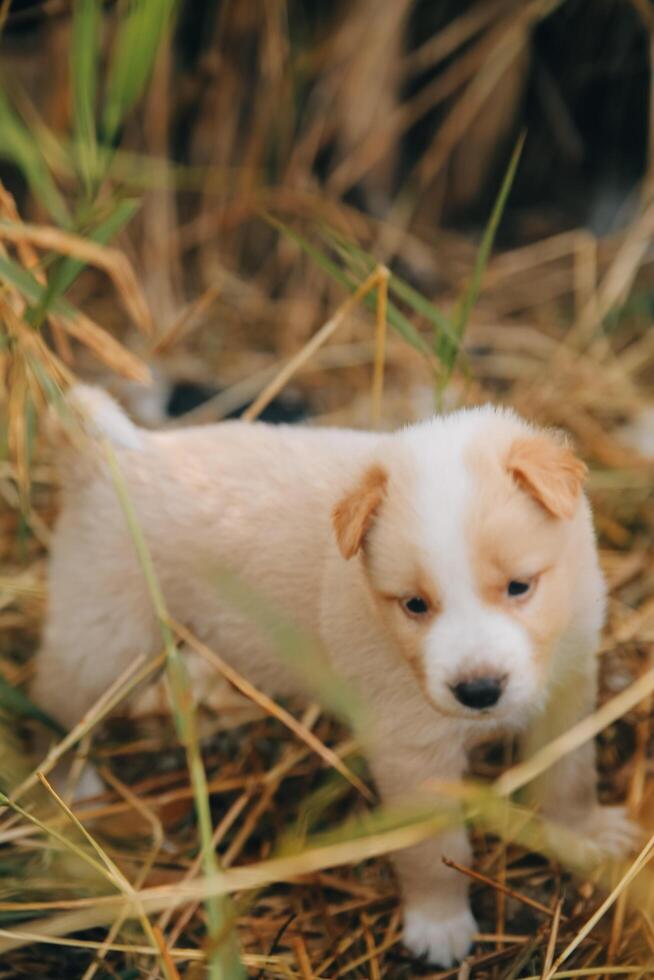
191, 191
389, 125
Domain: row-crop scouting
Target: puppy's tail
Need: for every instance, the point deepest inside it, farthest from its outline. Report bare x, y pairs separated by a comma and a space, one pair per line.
87, 418
102, 418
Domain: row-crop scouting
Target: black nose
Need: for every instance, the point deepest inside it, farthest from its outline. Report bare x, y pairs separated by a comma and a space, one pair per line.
480, 692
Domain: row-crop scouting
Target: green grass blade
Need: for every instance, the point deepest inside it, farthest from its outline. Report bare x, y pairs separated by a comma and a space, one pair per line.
224, 961
44, 299
134, 54
122, 214
471, 294
396, 318
357, 257
14, 701
18, 145
68, 269
297, 647
322, 261
85, 57
15, 275
440, 323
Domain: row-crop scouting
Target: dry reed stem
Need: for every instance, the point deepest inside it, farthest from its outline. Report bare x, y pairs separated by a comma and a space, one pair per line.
114, 263
551, 942
239, 879
133, 675
110, 352
499, 886
512, 38
272, 708
524, 772
373, 281
453, 36
134, 949
190, 318
115, 875
302, 957
619, 277
364, 157
381, 327
635, 868
371, 947
157, 842
222, 828
224, 954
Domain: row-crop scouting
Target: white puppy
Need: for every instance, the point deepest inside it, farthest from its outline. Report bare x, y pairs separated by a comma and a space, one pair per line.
449, 568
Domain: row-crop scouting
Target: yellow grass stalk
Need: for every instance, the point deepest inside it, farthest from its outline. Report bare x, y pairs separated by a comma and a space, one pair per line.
636, 868
112, 353
102, 909
134, 949
114, 263
137, 671
79, 852
267, 704
551, 943
373, 281
114, 874
619, 277
189, 318
381, 327
518, 776
158, 838
224, 960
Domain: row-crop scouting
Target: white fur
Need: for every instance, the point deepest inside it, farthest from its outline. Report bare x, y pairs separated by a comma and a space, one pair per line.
103, 418
439, 940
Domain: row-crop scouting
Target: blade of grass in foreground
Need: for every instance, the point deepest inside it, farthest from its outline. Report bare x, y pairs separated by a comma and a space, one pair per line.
297, 647
19, 146
68, 269
224, 961
440, 323
84, 63
14, 701
378, 833
134, 53
449, 352
396, 318
74, 322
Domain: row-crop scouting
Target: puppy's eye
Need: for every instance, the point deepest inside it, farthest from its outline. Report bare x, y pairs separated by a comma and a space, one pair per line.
517, 588
415, 606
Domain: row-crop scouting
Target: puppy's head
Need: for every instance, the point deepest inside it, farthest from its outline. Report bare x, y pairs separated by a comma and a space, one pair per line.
472, 534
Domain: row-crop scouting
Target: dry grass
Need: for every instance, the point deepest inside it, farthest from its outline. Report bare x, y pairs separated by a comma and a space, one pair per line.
560, 331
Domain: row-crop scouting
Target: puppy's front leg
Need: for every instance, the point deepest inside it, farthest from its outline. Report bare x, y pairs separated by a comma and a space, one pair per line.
566, 793
437, 917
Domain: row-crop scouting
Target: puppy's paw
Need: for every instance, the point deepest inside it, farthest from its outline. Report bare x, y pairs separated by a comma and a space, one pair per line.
603, 832
611, 832
443, 940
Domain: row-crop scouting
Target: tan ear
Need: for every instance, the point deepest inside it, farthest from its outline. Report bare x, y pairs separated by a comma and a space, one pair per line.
353, 516
549, 472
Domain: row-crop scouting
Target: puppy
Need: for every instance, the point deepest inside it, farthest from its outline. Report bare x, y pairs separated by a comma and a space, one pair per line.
450, 569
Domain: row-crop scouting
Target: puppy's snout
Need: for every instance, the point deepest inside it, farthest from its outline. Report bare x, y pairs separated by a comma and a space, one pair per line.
479, 692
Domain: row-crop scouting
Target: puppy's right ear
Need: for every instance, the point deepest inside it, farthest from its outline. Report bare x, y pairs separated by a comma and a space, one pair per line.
353, 516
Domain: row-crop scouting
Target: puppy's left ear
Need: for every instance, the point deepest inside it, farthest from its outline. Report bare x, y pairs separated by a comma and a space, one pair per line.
549, 472
353, 516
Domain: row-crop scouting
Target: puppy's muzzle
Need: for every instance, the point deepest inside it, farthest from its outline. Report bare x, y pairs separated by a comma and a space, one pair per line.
479, 692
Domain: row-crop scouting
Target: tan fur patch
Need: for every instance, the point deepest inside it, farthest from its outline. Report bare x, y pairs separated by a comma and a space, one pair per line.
549, 472
353, 516
511, 539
